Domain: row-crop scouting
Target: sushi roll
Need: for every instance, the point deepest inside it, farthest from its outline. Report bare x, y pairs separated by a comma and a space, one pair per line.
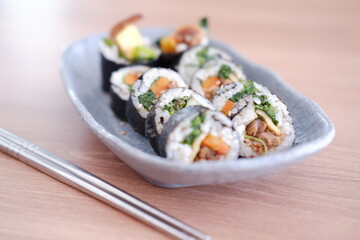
169, 103
185, 37
196, 57
146, 92
213, 75
196, 133
261, 119
124, 47
121, 85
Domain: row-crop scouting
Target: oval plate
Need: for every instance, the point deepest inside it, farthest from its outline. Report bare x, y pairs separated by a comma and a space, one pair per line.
81, 73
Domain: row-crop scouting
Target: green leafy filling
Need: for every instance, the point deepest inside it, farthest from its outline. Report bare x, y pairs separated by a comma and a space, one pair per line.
148, 100
202, 56
143, 54
120, 55
129, 87
224, 72
176, 105
196, 126
108, 42
266, 107
258, 140
204, 23
249, 88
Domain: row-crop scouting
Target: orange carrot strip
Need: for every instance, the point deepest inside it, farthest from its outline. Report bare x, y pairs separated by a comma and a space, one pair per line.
168, 44
131, 78
227, 107
216, 144
211, 82
159, 86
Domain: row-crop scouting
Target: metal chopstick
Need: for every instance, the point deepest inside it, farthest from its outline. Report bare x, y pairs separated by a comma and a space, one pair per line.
103, 184
94, 186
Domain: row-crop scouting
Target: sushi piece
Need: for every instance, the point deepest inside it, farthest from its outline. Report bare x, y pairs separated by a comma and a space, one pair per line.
196, 57
261, 119
213, 75
185, 37
124, 47
121, 85
169, 103
196, 133
146, 92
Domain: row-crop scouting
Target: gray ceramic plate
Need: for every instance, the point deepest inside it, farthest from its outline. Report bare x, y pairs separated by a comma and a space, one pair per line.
80, 67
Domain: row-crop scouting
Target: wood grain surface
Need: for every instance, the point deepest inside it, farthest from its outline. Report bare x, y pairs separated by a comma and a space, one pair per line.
313, 45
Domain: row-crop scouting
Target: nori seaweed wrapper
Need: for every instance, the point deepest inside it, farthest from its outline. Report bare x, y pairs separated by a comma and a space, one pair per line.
134, 118
170, 60
150, 130
172, 124
107, 67
151, 125
118, 105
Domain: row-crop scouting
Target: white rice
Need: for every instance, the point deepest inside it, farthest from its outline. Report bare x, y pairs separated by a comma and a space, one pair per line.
211, 69
181, 47
117, 80
189, 63
163, 116
111, 53
226, 92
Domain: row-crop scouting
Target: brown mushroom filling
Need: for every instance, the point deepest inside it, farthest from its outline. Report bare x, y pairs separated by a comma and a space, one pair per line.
190, 35
207, 154
259, 129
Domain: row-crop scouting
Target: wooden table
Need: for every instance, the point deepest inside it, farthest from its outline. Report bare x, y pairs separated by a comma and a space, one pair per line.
313, 45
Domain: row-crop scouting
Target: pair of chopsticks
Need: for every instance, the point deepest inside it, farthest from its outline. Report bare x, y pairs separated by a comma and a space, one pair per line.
86, 182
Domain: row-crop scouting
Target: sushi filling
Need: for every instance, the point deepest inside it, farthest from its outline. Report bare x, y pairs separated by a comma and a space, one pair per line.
149, 98
262, 134
174, 100
176, 105
126, 44
214, 75
183, 39
262, 138
213, 83
211, 147
196, 58
228, 108
196, 129
123, 80
130, 78
138, 54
